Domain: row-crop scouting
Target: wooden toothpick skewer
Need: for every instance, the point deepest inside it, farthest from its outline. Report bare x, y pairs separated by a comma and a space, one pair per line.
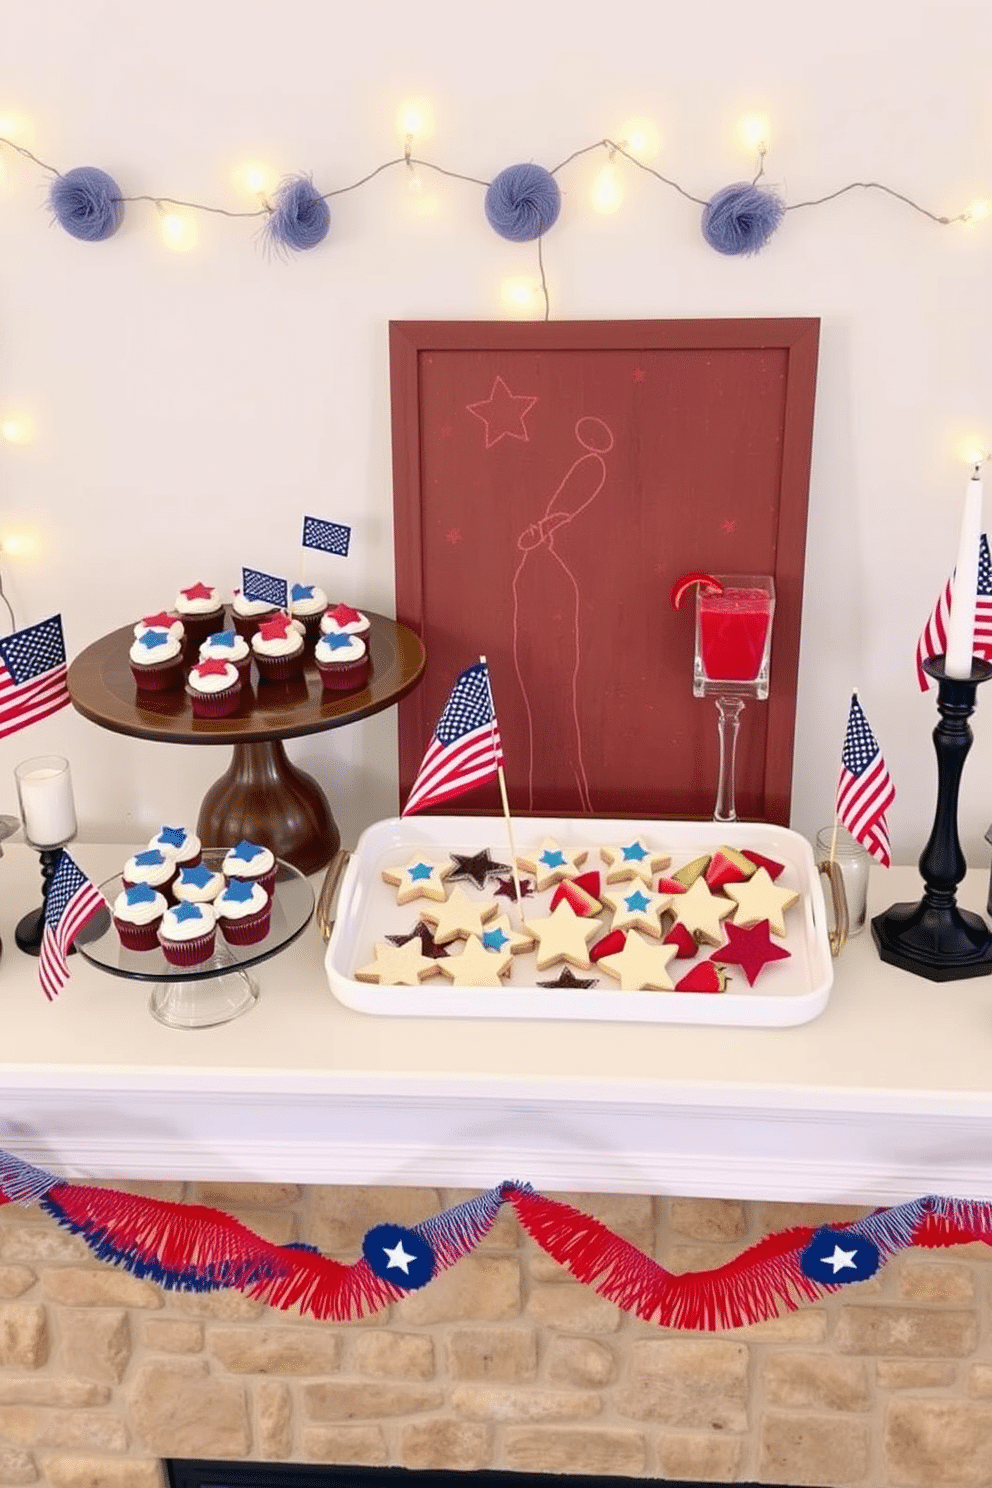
506, 805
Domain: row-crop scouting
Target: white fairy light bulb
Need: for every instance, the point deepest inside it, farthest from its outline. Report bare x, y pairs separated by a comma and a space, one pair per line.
17, 428
976, 210
607, 194
411, 120
519, 294
258, 178
754, 130
177, 228
640, 138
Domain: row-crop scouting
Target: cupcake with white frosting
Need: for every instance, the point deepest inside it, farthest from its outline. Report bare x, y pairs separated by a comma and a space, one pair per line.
343, 662
213, 689
149, 867
156, 660
343, 619
198, 885
180, 844
137, 913
227, 645
244, 912
188, 933
247, 614
201, 610
307, 603
278, 648
252, 862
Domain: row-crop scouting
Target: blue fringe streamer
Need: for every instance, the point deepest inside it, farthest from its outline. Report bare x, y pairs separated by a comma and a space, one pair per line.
21, 1182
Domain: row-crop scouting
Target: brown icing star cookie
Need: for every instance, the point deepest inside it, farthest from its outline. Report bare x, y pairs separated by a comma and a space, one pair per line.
479, 867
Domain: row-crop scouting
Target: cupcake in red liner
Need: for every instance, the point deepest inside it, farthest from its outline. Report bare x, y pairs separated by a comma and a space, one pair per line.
213, 689
244, 912
156, 662
198, 885
137, 913
188, 934
278, 648
307, 603
201, 610
343, 662
251, 862
179, 844
227, 645
248, 614
150, 867
342, 619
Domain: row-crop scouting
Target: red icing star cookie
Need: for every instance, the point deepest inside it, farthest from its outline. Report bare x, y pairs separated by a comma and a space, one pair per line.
750, 949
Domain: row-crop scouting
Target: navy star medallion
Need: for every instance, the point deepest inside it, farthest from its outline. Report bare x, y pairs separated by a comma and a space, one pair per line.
839, 1256
399, 1255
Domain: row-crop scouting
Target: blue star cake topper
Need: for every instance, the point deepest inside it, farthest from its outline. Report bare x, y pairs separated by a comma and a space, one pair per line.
246, 850
223, 638
301, 591
338, 642
150, 858
153, 638
399, 1255
140, 894
196, 878
839, 1256
239, 891
187, 911
172, 836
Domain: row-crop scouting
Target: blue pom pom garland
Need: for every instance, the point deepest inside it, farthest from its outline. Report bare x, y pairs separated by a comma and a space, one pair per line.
742, 218
522, 202
300, 216
87, 203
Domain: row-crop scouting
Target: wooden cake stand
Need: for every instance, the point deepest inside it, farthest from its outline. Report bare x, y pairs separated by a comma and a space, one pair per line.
261, 795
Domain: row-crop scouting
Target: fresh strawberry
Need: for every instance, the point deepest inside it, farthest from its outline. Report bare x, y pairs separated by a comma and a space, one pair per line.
685, 941
689, 872
772, 868
589, 881
703, 978
727, 866
672, 886
571, 891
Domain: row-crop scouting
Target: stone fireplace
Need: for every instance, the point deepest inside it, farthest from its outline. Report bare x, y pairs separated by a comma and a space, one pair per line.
502, 1362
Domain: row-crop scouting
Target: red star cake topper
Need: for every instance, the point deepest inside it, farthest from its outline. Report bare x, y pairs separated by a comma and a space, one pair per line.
162, 621
197, 591
276, 629
212, 667
343, 614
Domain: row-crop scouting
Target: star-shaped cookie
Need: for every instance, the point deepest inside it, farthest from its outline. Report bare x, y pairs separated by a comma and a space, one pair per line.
500, 936
633, 860
428, 945
458, 917
476, 966
479, 867
640, 966
550, 863
421, 878
397, 966
701, 912
758, 898
563, 936
750, 949
567, 978
636, 907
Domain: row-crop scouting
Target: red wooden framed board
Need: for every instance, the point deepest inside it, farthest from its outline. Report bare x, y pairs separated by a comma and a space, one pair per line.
551, 481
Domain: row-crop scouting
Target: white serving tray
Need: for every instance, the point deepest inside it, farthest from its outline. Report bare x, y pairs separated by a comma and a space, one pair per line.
785, 992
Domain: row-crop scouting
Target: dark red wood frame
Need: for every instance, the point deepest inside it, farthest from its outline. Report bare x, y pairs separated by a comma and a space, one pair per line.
418, 353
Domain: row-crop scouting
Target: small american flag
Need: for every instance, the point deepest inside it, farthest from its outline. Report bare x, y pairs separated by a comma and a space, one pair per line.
465, 749
933, 638
32, 675
865, 790
329, 537
72, 901
256, 585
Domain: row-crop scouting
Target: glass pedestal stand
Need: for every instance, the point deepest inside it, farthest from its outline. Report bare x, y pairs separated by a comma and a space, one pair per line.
217, 990
731, 662
728, 724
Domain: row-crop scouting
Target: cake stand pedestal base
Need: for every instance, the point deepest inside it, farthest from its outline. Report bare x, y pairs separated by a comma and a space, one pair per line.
203, 1004
263, 797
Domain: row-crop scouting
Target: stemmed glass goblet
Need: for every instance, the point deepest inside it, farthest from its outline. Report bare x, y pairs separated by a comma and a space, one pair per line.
731, 663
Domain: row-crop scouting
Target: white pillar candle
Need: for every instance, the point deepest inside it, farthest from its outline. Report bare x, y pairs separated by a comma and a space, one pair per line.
961, 624
44, 788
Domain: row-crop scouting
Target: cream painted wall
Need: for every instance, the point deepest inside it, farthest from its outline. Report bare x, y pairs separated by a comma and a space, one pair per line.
178, 397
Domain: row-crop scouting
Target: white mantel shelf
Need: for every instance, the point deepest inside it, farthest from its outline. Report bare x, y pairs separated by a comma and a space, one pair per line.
886, 1096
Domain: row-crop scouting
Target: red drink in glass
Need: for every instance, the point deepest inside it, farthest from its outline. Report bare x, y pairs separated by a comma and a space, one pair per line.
733, 632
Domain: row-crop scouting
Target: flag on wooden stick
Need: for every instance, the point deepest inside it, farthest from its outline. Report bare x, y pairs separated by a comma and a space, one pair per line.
465, 749
865, 790
71, 902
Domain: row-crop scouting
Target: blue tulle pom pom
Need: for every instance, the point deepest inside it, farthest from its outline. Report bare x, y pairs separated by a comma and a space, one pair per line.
742, 218
523, 202
87, 203
300, 216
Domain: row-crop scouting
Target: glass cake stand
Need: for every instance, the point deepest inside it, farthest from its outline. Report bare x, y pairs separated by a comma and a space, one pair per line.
219, 989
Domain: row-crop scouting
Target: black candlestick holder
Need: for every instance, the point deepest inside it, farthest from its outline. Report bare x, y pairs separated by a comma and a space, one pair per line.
934, 938
29, 930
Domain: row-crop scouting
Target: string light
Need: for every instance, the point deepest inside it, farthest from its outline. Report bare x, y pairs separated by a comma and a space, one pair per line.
260, 180
178, 229
640, 138
521, 295
976, 211
607, 194
754, 130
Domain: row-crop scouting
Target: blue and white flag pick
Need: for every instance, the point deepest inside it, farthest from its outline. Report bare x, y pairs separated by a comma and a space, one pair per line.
257, 585
839, 1256
399, 1255
329, 537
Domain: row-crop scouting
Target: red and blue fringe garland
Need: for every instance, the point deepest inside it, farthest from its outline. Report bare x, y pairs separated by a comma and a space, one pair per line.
190, 1247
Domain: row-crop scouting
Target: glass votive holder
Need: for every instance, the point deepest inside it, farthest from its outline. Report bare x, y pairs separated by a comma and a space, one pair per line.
853, 862
44, 794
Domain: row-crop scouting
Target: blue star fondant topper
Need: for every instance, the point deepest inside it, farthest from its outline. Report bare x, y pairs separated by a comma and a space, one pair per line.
223, 638
301, 591
172, 836
151, 858
246, 850
420, 871
839, 1256
153, 638
399, 1255
239, 891
197, 877
187, 911
338, 642
140, 894
494, 940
